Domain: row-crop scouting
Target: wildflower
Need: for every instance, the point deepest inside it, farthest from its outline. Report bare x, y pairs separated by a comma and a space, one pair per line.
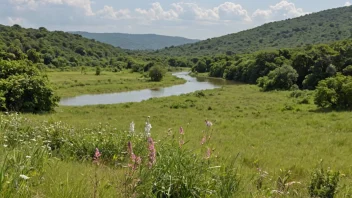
182, 131
96, 155
204, 139
208, 123
5, 145
24, 177
147, 128
208, 153
28, 157
152, 152
132, 127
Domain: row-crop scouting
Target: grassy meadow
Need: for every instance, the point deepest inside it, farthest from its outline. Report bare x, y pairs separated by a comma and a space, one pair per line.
269, 131
74, 83
269, 134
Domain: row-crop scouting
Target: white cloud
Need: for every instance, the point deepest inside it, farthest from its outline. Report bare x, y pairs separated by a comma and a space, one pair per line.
230, 11
34, 4
281, 10
225, 11
156, 12
262, 13
348, 3
12, 21
108, 12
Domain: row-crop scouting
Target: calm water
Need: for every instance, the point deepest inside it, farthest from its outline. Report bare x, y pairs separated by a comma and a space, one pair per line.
193, 84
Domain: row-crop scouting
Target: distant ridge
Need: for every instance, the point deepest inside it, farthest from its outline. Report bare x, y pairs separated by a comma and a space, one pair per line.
321, 27
137, 41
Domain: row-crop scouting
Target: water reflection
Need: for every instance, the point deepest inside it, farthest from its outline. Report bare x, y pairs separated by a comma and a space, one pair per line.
193, 84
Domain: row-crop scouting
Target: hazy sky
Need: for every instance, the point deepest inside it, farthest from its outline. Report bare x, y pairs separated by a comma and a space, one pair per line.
188, 18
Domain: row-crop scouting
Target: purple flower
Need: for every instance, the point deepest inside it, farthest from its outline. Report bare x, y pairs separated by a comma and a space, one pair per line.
97, 155
182, 132
152, 152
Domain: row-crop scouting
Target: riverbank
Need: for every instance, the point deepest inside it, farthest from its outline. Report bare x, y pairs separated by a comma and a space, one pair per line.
73, 83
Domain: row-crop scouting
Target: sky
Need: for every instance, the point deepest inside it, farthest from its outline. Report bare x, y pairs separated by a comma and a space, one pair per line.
197, 19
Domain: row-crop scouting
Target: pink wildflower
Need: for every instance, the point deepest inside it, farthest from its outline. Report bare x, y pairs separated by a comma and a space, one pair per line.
204, 139
152, 152
97, 155
182, 132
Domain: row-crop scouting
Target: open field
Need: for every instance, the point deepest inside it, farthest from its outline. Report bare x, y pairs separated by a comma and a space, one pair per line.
270, 131
73, 83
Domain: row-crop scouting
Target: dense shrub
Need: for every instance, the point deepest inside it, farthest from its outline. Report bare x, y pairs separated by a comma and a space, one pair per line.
24, 89
323, 183
156, 73
282, 78
334, 92
97, 71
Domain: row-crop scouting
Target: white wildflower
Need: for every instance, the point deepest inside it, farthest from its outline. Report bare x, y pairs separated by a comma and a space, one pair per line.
147, 128
208, 123
24, 177
132, 127
5, 145
28, 157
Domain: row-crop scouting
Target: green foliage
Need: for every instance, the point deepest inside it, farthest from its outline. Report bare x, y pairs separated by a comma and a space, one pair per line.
282, 78
156, 73
97, 71
56, 48
347, 71
324, 183
334, 92
24, 89
179, 172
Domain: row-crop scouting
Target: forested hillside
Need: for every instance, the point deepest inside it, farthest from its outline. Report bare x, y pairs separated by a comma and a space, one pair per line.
137, 41
55, 49
322, 27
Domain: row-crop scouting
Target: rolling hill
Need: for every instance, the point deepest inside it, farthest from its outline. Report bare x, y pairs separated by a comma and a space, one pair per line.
137, 41
55, 48
321, 27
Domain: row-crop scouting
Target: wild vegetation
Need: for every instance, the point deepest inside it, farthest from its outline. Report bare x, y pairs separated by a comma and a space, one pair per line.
321, 27
281, 69
287, 137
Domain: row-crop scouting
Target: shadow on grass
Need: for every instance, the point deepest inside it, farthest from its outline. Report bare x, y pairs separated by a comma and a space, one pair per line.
328, 110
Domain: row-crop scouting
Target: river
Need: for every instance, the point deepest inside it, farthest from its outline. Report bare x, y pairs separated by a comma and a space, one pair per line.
193, 84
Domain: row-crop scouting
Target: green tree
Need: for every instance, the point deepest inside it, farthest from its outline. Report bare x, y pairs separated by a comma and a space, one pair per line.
282, 78
24, 89
334, 92
33, 56
156, 73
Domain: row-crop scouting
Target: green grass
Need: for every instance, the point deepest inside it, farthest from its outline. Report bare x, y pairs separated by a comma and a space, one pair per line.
73, 83
269, 130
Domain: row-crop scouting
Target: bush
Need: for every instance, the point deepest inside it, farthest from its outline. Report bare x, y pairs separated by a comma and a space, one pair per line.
323, 183
179, 172
347, 71
24, 89
282, 78
334, 92
97, 71
156, 73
